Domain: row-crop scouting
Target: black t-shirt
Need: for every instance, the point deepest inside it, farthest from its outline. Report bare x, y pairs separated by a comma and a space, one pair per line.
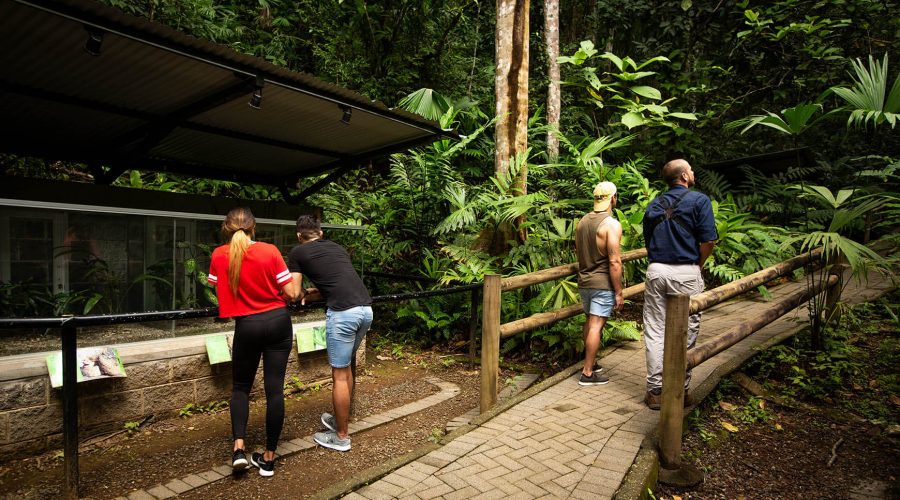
328, 266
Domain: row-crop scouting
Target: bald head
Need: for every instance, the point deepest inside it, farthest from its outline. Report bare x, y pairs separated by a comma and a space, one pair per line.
678, 173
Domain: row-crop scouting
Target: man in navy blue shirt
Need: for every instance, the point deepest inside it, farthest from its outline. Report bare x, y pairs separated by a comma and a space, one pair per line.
680, 233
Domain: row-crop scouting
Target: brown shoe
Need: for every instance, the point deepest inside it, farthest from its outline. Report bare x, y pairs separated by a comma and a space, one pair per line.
652, 400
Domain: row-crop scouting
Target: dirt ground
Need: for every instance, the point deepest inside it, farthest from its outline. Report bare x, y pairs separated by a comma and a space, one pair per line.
167, 449
791, 460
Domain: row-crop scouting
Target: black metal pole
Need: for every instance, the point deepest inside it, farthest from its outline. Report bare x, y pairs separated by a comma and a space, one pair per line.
70, 409
473, 324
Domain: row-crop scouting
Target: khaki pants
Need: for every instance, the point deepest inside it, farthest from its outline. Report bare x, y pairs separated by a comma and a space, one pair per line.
664, 279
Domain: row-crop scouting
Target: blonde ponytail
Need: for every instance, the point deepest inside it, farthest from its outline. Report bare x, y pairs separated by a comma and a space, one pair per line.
238, 228
239, 243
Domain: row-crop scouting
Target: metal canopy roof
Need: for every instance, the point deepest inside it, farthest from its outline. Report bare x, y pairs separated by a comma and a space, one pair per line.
154, 98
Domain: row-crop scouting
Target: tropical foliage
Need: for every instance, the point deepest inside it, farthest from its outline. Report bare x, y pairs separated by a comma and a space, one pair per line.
644, 81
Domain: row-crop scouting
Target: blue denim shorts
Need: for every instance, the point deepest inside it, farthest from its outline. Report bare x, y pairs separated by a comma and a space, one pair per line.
344, 332
598, 302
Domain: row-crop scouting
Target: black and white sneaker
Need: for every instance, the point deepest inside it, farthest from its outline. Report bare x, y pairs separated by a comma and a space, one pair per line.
329, 422
239, 460
266, 468
596, 378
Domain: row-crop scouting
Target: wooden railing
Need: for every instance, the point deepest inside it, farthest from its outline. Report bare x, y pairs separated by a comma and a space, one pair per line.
492, 332
676, 358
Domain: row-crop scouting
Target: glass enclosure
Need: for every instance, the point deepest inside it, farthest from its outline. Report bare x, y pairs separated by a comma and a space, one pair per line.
69, 261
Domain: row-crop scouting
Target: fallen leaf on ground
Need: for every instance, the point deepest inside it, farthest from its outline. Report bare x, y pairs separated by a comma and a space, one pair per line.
857, 387
762, 404
728, 426
778, 427
676, 497
873, 384
727, 406
895, 399
379, 357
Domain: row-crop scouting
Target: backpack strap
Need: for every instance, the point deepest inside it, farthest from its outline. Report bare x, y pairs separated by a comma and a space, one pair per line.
668, 214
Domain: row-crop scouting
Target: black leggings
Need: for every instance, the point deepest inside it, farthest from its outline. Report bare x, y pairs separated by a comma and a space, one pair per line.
269, 334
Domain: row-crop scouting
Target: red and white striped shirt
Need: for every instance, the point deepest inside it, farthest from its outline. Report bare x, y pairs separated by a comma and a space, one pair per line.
263, 274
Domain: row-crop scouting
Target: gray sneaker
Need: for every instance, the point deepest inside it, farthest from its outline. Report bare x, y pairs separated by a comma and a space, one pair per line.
596, 378
329, 422
331, 440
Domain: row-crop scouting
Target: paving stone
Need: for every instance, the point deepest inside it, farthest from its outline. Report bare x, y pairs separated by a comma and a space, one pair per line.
140, 495
434, 491
400, 481
392, 490
462, 494
303, 443
224, 470
161, 492
178, 486
287, 448
372, 493
194, 481
210, 476
433, 461
454, 480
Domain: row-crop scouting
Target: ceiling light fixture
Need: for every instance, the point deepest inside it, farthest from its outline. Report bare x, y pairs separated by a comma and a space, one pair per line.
348, 113
256, 98
94, 41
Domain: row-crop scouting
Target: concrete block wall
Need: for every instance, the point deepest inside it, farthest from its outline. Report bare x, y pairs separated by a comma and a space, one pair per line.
163, 376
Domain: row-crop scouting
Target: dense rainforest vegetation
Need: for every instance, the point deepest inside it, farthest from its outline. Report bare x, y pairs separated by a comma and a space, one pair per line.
641, 82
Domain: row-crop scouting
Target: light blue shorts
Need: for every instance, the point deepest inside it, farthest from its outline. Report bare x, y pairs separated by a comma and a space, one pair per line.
598, 302
344, 332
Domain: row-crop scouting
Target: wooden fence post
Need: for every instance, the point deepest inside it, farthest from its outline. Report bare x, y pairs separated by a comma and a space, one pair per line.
671, 416
837, 267
473, 326
490, 341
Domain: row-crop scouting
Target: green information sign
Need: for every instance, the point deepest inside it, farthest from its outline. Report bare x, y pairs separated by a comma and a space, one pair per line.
218, 348
310, 338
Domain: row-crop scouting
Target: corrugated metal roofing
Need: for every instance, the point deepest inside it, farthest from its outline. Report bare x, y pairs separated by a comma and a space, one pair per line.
157, 99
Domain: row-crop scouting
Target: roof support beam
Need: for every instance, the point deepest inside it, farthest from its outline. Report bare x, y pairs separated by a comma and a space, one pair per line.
318, 185
152, 133
369, 155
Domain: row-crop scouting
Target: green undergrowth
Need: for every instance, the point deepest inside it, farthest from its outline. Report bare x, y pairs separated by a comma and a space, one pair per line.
856, 372
856, 377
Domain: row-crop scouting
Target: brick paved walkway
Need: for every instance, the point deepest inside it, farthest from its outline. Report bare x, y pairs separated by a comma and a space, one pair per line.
570, 441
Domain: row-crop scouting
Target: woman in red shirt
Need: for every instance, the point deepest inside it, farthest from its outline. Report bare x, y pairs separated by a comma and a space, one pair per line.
253, 285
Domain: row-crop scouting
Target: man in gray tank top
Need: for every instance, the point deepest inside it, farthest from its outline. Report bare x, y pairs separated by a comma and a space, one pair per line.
597, 239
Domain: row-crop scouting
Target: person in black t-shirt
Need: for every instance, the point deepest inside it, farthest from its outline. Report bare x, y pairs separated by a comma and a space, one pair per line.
348, 318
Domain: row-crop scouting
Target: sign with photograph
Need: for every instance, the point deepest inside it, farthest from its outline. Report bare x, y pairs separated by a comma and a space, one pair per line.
310, 338
93, 363
219, 348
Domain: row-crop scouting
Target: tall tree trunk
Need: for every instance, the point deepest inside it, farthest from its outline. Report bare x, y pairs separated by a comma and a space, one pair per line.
551, 37
511, 87
511, 83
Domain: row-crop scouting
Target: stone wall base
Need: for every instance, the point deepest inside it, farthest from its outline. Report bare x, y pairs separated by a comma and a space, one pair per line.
164, 376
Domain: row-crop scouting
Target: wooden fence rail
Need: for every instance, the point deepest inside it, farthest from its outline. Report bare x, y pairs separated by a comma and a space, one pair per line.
492, 332
677, 359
